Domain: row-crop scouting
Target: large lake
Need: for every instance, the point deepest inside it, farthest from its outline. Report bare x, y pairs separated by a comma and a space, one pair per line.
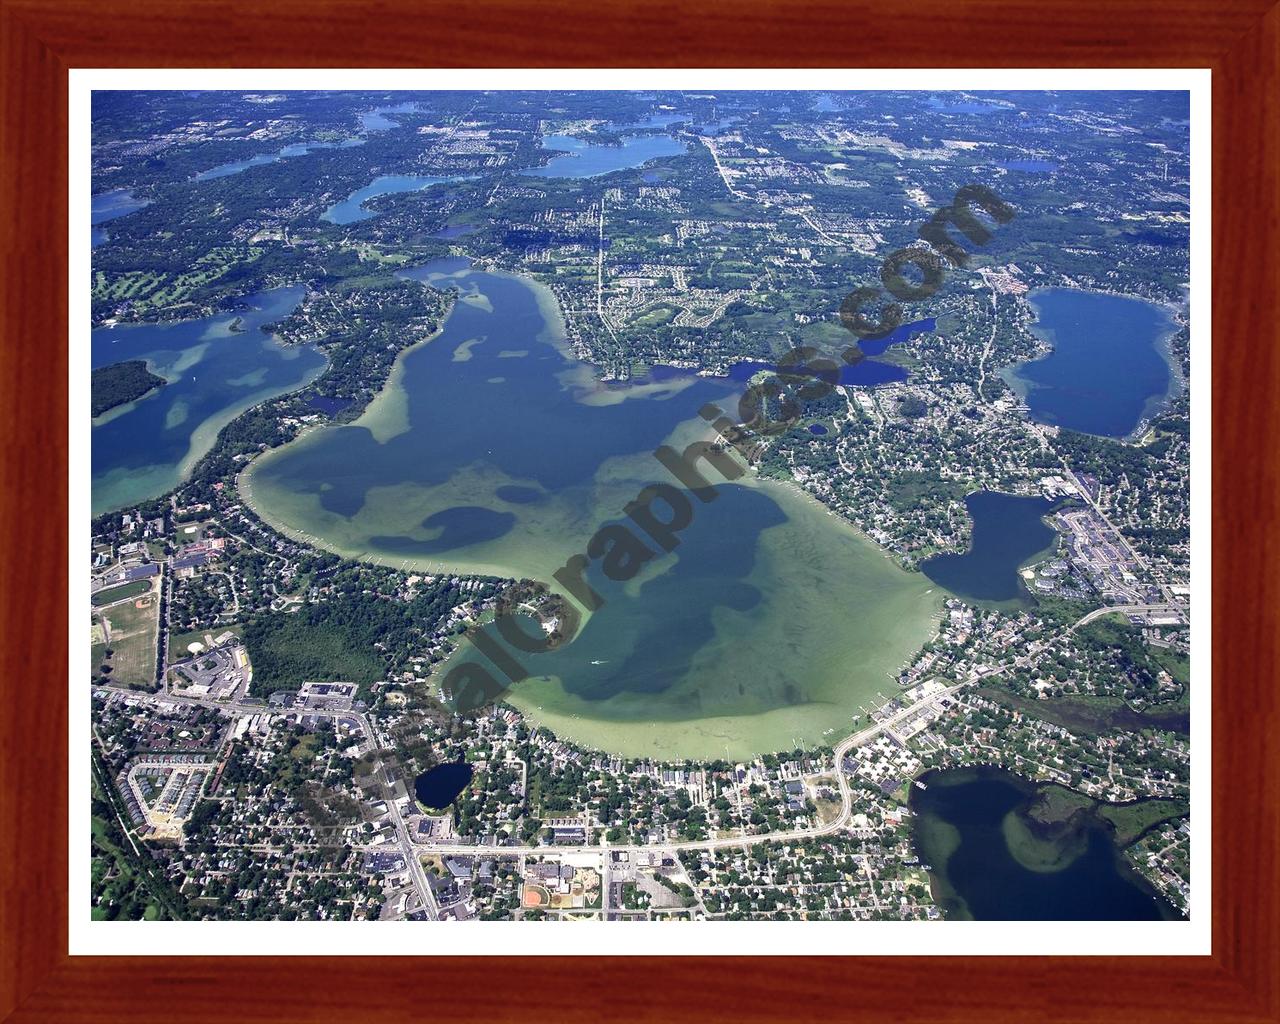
493, 450
1108, 368
1008, 531
351, 209
583, 159
216, 368
578, 159
961, 826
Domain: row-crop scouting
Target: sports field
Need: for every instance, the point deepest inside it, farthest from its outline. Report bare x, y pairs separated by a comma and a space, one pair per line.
112, 594
131, 637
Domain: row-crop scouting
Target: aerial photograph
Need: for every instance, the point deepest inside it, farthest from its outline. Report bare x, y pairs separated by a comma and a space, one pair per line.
630, 505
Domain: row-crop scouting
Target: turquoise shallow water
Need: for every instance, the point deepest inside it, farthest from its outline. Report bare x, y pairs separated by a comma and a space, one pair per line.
143, 449
493, 450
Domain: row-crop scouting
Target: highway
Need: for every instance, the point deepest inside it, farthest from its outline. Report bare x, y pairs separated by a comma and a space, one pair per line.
1131, 609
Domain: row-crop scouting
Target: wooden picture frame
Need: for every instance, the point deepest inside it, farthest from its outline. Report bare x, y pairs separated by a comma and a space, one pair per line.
42, 39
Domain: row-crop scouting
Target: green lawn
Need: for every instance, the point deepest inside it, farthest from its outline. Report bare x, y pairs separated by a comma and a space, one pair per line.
132, 641
112, 594
1175, 663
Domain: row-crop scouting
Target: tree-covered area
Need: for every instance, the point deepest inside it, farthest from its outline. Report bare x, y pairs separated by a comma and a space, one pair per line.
1108, 658
330, 641
126, 886
361, 325
355, 635
120, 383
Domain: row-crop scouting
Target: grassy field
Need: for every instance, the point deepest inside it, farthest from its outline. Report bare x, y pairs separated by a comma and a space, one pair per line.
1177, 664
133, 641
113, 594
152, 290
178, 641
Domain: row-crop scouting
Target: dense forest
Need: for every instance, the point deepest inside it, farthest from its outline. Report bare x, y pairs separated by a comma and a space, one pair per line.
121, 382
355, 635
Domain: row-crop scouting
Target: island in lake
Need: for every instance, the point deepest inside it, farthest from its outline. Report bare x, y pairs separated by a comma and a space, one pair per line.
121, 383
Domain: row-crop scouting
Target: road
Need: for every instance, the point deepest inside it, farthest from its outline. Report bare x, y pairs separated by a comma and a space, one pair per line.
1084, 493
737, 193
600, 276
1129, 609
986, 351
412, 853
846, 803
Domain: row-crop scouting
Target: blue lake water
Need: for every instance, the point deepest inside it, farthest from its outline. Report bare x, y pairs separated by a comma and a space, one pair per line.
958, 826
581, 159
900, 334
867, 373
352, 209
374, 121
143, 449
438, 787
716, 127
1008, 530
664, 120
295, 149
963, 106
108, 206
492, 449
1107, 370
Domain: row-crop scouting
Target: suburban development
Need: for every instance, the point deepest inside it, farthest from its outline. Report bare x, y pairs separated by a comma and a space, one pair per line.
640, 506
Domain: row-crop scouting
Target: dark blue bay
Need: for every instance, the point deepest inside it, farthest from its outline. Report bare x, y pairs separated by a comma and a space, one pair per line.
1008, 531
982, 880
1107, 370
262, 159
583, 160
213, 372
352, 208
107, 206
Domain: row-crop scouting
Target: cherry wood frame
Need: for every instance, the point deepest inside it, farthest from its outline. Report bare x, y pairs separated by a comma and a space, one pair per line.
41, 39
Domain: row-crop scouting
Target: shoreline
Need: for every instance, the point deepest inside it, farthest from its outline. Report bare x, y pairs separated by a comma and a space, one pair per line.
813, 720
210, 429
